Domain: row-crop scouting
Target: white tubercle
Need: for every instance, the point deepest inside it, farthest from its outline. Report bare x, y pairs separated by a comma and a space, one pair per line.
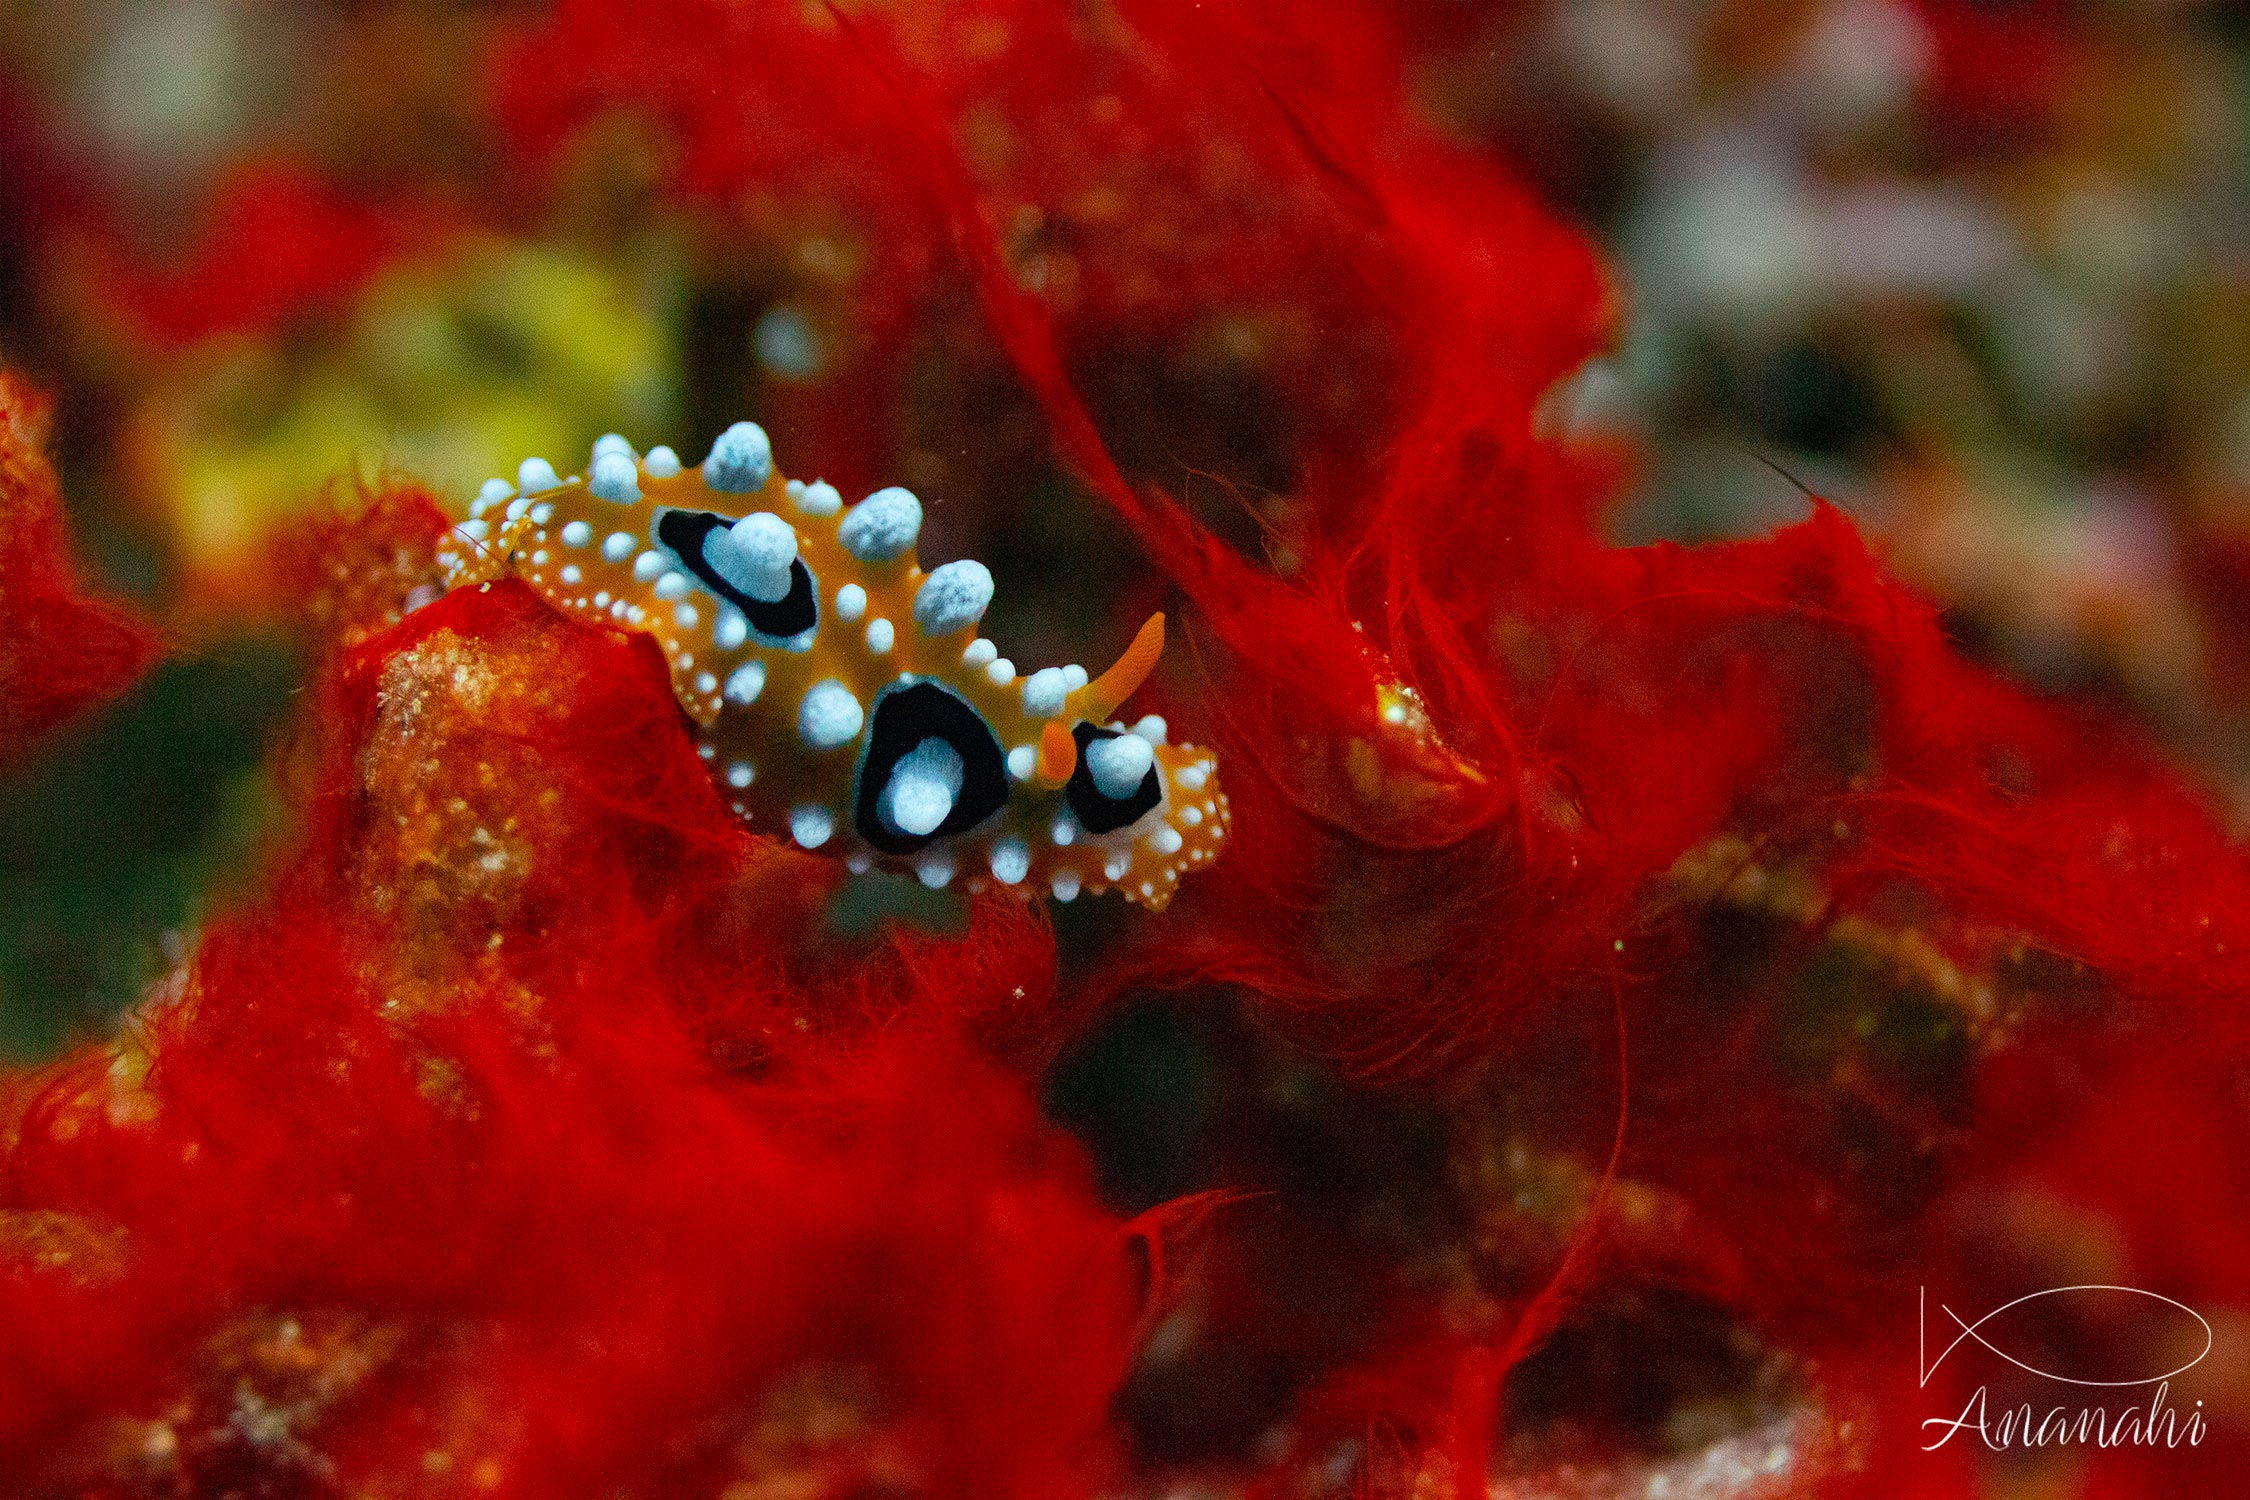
1151, 727
495, 492
1022, 761
851, 602
881, 635
810, 824
1074, 676
1043, 693
614, 478
1065, 885
746, 683
1011, 860
828, 716
613, 442
661, 463
953, 597
922, 789
1119, 764
935, 869
882, 527
978, 652
741, 460
577, 534
536, 474
754, 555
618, 546
820, 498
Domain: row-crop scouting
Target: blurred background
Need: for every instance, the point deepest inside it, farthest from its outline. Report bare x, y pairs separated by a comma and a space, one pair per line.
1980, 273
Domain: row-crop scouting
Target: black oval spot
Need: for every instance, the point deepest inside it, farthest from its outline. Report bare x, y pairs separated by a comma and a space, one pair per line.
788, 622
907, 713
1097, 813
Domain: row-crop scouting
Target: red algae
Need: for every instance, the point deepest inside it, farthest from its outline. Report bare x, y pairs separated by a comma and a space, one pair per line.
60, 648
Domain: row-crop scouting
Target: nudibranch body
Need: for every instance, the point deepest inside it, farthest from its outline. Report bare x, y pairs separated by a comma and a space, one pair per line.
841, 695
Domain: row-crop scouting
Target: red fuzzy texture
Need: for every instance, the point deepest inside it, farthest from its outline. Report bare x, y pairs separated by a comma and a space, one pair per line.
611, 1183
60, 648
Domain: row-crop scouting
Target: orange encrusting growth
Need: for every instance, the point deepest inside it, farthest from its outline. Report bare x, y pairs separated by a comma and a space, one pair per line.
788, 725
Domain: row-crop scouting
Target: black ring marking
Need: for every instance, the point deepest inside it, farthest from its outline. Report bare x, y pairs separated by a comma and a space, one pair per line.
788, 622
907, 713
1097, 813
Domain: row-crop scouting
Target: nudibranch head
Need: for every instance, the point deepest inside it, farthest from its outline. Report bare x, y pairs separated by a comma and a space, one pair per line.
841, 696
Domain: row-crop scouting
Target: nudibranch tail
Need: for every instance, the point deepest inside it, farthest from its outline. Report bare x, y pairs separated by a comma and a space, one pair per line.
841, 696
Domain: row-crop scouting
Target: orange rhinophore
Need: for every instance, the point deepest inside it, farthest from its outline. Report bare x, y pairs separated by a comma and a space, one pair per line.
843, 694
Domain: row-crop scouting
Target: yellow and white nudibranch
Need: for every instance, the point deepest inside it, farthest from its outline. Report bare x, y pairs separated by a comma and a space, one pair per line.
842, 694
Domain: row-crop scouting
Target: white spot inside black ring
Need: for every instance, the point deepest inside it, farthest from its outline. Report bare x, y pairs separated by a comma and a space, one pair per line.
908, 712
1097, 813
788, 623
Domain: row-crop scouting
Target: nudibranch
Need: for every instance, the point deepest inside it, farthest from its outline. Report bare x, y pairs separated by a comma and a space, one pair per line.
841, 694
